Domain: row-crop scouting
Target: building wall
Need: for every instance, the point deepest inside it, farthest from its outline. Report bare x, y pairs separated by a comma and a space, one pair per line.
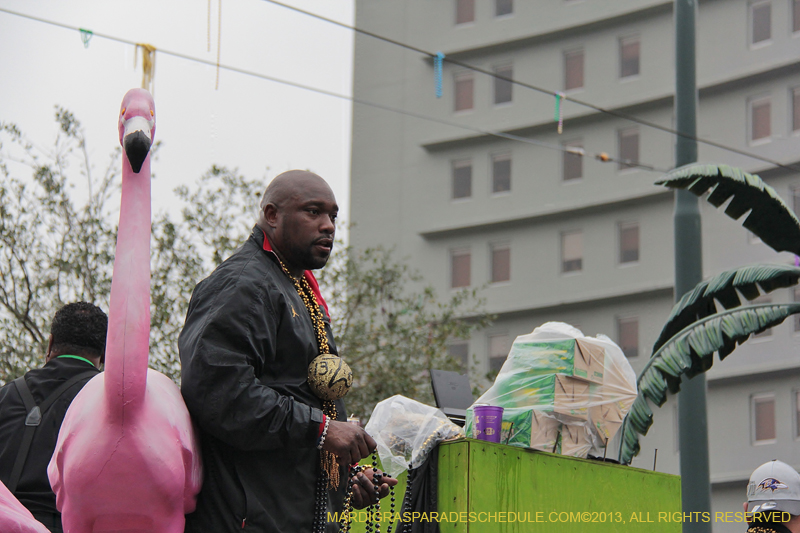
402, 189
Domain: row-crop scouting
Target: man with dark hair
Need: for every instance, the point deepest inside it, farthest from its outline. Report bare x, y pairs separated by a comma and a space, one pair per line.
32, 407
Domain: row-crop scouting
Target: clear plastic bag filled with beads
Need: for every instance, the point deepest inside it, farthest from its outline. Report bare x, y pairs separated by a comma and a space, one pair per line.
406, 431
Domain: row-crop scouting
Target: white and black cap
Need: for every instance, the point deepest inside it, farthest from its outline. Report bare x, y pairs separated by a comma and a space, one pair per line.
774, 486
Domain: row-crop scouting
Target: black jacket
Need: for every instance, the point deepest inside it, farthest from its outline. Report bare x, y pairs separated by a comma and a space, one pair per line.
245, 351
33, 490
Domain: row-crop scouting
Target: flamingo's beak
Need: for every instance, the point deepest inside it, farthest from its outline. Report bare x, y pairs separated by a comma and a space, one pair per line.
137, 141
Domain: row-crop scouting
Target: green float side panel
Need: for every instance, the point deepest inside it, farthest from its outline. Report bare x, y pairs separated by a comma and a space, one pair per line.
492, 488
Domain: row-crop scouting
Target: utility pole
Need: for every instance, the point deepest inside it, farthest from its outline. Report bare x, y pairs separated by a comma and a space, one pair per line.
692, 411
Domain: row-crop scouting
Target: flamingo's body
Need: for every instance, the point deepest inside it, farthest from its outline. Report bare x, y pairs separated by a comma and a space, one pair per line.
127, 458
14, 517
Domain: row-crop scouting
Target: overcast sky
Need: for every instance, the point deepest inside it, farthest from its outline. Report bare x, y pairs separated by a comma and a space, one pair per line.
259, 126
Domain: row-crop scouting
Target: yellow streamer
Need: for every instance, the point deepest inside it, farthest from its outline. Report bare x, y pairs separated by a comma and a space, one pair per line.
148, 64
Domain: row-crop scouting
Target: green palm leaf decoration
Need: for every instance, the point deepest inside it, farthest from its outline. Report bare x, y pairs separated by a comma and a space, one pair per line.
692, 348
726, 289
770, 219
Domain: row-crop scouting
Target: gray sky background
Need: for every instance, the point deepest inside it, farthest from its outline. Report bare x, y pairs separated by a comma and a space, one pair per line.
259, 126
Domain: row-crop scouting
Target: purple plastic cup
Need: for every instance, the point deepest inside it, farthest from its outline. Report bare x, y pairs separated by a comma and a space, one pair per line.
488, 422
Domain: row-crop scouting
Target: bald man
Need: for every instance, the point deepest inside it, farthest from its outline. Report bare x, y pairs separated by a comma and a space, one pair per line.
249, 337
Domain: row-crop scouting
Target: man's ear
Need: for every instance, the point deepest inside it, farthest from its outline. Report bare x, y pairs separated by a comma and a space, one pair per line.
271, 215
49, 354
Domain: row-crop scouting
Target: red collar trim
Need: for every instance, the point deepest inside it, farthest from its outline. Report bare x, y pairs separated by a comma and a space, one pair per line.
312, 281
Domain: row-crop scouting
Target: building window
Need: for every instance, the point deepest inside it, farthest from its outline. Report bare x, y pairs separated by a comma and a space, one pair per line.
628, 242
465, 11
628, 141
760, 127
629, 56
763, 416
796, 108
501, 263
503, 87
501, 173
572, 166
795, 15
572, 251
462, 179
498, 351
796, 299
459, 351
460, 268
628, 336
503, 7
760, 21
463, 85
797, 414
573, 69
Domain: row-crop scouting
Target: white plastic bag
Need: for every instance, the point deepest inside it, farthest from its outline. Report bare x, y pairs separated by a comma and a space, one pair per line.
406, 431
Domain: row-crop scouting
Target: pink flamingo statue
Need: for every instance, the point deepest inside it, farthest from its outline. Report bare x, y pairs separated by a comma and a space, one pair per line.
14, 517
127, 458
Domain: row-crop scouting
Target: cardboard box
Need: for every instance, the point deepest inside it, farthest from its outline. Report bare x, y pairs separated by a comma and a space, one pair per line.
530, 428
575, 440
606, 419
580, 359
544, 431
571, 397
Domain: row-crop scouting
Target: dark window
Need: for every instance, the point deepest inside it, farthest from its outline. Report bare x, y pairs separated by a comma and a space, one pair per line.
501, 173
573, 162
628, 57
571, 251
796, 414
501, 263
760, 127
465, 11
796, 298
460, 352
460, 268
795, 15
796, 109
628, 336
463, 87
628, 148
573, 70
763, 418
628, 242
503, 7
462, 179
760, 19
498, 351
503, 88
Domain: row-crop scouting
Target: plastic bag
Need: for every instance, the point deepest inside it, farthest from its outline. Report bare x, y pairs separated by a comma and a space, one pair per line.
406, 431
562, 392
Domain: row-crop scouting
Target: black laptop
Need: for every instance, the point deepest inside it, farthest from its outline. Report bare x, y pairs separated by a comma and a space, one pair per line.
452, 393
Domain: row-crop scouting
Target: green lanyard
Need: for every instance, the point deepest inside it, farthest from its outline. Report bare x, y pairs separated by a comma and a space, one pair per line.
77, 357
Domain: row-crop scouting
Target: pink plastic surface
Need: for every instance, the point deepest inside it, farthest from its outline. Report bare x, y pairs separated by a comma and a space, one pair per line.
14, 517
127, 458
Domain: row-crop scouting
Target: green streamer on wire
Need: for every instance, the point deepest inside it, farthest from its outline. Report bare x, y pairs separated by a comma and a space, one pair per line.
559, 116
86, 36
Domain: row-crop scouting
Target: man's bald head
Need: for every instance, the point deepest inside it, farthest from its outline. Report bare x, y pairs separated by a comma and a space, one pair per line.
298, 213
287, 185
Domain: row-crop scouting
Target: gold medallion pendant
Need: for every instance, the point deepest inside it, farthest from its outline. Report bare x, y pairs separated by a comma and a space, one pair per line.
329, 377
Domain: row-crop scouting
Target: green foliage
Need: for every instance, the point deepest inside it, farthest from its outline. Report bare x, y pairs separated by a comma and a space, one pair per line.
389, 330
725, 288
57, 245
769, 218
688, 353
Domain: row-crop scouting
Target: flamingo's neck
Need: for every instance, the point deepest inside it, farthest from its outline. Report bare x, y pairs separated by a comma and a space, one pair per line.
127, 346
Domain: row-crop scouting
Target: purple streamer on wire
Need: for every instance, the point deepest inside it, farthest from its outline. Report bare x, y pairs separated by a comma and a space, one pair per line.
437, 72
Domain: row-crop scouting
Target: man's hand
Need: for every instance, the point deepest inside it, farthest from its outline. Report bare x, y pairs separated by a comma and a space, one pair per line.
364, 487
349, 442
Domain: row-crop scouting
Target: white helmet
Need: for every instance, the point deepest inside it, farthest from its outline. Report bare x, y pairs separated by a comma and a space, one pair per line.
774, 486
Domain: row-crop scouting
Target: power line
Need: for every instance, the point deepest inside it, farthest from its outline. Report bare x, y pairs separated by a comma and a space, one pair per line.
574, 150
538, 89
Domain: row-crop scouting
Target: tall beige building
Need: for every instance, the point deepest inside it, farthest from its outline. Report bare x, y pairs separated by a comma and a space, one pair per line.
555, 236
